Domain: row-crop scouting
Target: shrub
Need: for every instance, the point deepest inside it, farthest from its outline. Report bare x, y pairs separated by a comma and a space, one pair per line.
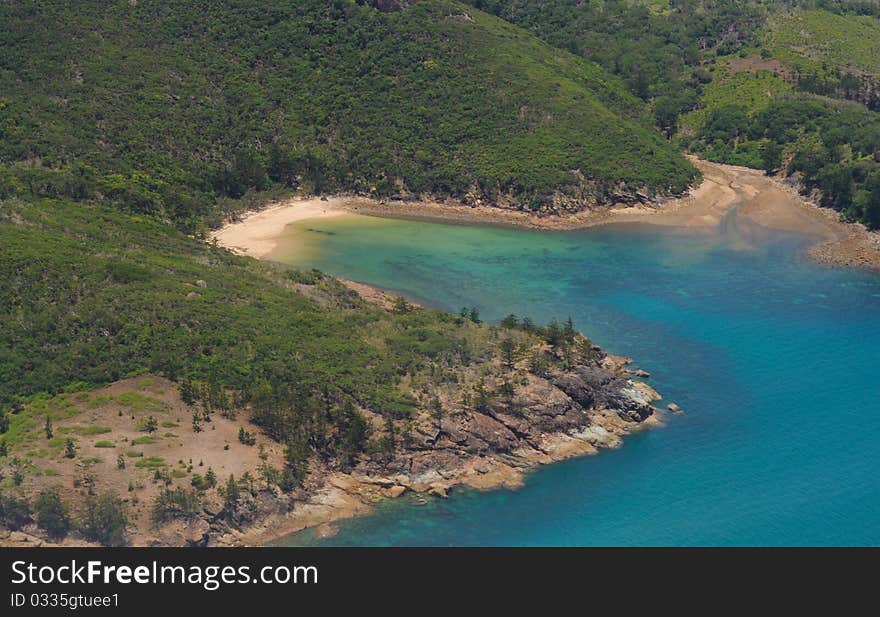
105, 519
14, 511
175, 503
52, 514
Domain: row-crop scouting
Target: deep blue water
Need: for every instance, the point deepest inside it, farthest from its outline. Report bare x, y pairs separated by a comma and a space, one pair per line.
774, 359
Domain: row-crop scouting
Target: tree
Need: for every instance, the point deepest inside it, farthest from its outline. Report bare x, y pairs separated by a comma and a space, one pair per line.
69, 448
539, 364
197, 421
151, 425
4, 448
120, 462
14, 511
508, 353
52, 513
48, 427
187, 393
507, 392
231, 495
510, 322
437, 413
554, 334
175, 503
585, 350
401, 306
482, 397
4, 422
474, 315
568, 331
246, 437
389, 440
296, 463
105, 519
354, 431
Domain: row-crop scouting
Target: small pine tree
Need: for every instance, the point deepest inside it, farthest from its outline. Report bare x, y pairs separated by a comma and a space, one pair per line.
585, 350
4, 448
187, 393
437, 413
482, 397
120, 462
539, 364
197, 422
246, 437
151, 425
510, 322
69, 448
554, 334
507, 392
48, 427
568, 331
401, 306
231, 495
508, 353
474, 315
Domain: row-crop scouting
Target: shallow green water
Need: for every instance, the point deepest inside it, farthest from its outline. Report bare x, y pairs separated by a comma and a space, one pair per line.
774, 359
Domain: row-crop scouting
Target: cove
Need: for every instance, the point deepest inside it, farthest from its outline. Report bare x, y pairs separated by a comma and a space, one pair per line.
773, 358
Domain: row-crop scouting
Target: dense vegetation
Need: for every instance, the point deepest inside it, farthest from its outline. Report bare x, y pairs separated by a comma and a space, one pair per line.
161, 107
832, 145
746, 82
118, 295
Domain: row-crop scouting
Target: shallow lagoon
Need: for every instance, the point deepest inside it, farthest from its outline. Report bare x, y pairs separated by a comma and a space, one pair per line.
773, 358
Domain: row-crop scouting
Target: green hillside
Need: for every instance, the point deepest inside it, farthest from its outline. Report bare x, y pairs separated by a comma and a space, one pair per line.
163, 106
820, 40
787, 86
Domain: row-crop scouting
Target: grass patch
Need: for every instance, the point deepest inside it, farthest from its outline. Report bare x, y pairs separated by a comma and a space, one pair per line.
139, 402
99, 400
146, 439
134, 453
151, 462
169, 424
179, 473
105, 444
86, 431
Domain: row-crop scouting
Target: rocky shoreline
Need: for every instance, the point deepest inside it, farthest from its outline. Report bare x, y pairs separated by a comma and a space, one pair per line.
569, 415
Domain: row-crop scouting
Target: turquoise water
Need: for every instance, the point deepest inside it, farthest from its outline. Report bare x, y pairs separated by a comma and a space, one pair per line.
774, 360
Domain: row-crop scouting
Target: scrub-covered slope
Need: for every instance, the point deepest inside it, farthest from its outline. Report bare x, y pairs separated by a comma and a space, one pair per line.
163, 107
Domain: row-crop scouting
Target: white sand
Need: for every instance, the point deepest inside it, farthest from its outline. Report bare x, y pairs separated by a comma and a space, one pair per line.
257, 233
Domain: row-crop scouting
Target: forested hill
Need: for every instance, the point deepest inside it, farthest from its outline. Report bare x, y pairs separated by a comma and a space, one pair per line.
788, 86
161, 107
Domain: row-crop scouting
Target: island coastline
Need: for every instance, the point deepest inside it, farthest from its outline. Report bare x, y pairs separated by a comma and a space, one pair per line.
765, 200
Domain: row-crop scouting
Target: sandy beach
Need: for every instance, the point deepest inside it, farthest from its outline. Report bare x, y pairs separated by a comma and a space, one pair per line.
256, 234
753, 196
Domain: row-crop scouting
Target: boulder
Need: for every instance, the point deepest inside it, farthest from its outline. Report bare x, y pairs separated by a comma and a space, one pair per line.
196, 532
498, 437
